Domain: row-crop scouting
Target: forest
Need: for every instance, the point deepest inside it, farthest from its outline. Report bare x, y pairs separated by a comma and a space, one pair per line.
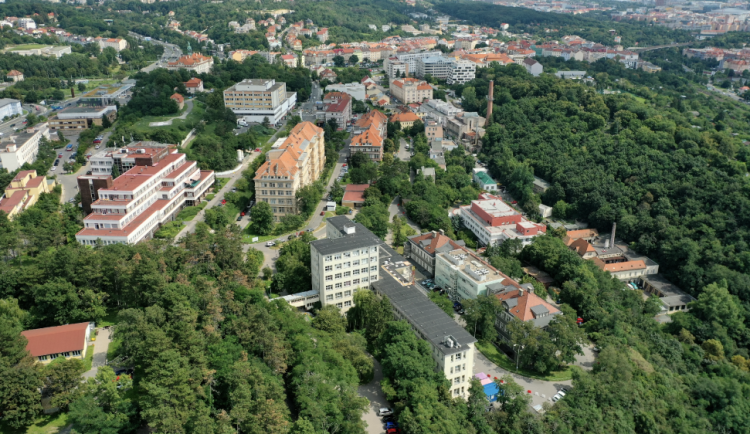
537, 23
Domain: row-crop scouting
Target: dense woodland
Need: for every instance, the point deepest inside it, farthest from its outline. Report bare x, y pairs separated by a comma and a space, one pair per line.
537, 23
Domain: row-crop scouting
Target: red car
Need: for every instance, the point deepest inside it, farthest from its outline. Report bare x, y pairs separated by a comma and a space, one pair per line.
257, 149
514, 202
343, 165
322, 213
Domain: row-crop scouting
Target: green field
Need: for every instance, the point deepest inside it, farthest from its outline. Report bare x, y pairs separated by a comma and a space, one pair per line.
506, 363
178, 125
25, 47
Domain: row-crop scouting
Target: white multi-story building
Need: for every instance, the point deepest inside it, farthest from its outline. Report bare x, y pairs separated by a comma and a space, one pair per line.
436, 66
465, 275
118, 44
411, 58
20, 148
493, 221
9, 107
256, 99
26, 23
355, 90
132, 207
395, 68
462, 71
196, 63
344, 262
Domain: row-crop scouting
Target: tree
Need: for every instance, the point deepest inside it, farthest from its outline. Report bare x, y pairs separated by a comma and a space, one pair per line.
216, 218
58, 302
81, 87
62, 378
337, 191
353, 59
308, 198
261, 216
374, 218
329, 319
20, 400
106, 123
266, 123
339, 61
442, 301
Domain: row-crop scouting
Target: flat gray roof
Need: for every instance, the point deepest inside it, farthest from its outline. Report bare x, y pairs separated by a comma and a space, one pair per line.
430, 322
344, 244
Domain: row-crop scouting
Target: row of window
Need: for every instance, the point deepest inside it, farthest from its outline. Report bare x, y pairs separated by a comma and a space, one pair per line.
339, 295
458, 391
346, 304
348, 264
350, 273
459, 380
353, 253
280, 185
347, 283
65, 354
458, 368
275, 192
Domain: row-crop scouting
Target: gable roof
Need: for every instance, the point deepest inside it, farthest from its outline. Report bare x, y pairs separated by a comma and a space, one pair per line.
433, 242
355, 193
54, 340
404, 117
177, 97
369, 137
193, 82
14, 73
285, 162
582, 246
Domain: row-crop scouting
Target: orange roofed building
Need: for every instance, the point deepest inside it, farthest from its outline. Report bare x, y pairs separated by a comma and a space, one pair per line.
156, 183
406, 119
292, 163
196, 63
410, 90
23, 192
374, 118
369, 142
520, 303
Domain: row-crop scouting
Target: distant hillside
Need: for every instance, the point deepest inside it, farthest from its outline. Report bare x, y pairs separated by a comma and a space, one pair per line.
592, 27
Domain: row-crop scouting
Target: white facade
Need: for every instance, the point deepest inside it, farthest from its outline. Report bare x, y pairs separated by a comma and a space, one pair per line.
355, 90
341, 266
436, 66
462, 71
464, 275
21, 148
10, 107
254, 100
142, 199
26, 23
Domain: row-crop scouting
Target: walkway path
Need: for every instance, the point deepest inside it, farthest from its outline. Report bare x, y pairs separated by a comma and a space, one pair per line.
375, 395
188, 103
101, 345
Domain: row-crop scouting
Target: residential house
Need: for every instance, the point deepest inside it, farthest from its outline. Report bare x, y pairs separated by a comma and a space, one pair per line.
15, 76
194, 85
410, 90
17, 149
329, 75
521, 304
433, 130
372, 118
338, 106
484, 180
532, 66
197, 63
289, 60
179, 99
368, 142
24, 191
422, 248
405, 119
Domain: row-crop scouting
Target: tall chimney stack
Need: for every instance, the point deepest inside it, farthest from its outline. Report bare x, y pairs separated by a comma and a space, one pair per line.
406, 70
490, 98
612, 236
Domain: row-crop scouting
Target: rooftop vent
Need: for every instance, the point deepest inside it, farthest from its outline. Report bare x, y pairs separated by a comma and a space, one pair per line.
350, 229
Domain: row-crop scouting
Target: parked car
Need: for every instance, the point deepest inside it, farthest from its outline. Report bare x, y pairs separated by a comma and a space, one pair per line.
239, 217
291, 237
270, 244
53, 168
322, 213
385, 411
389, 425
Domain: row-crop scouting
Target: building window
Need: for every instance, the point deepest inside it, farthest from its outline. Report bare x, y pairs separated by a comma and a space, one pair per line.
347, 283
328, 258
364, 279
329, 287
329, 297
339, 295
364, 270
347, 303
347, 293
338, 275
355, 282
329, 268
338, 305
457, 380
347, 264
338, 285
337, 257
338, 266
329, 277
373, 268
347, 273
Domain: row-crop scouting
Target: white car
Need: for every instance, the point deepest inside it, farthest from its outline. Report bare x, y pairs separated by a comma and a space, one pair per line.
53, 168
385, 411
270, 244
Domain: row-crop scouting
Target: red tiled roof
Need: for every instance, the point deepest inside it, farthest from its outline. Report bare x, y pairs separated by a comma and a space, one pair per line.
436, 241
14, 73
54, 340
355, 193
193, 82
404, 117
177, 97
522, 310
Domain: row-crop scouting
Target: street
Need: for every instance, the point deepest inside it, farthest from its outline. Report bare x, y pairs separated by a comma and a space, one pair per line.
307, 109
171, 53
373, 392
9, 127
101, 345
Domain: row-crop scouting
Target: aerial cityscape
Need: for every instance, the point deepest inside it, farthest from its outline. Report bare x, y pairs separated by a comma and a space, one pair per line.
393, 216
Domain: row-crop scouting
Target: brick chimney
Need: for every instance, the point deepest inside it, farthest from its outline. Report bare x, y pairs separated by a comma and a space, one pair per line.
490, 98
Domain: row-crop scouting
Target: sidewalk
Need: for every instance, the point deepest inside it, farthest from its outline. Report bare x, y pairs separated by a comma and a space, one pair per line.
101, 345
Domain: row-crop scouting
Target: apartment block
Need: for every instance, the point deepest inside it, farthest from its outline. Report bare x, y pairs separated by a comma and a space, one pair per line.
493, 221
118, 44
461, 72
463, 124
24, 191
133, 206
465, 275
256, 99
410, 90
9, 107
422, 248
338, 106
292, 163
368, 142
21, 148
436, 66
342, 265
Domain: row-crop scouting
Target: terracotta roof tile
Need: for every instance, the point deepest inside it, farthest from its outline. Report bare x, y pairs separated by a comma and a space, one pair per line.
54, 340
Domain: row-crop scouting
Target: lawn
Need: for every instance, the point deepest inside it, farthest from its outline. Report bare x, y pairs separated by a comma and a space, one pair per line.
89, 360
169, 230
219, 184
178, 125
47, 424
209, 197
506, 363
114, 347
26, 47
189, 212
109, 320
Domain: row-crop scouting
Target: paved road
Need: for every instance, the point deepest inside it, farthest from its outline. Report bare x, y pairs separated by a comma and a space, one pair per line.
101, 345
171, 52
403, 154
375, 395
307, 109
5, 127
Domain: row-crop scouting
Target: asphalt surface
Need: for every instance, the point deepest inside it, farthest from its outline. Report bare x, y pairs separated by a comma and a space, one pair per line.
9, 127
374, 393
171, 52
101, 345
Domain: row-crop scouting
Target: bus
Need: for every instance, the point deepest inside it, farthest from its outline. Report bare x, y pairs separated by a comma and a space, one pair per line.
69, 147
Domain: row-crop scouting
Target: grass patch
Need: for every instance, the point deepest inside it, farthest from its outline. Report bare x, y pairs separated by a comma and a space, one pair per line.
109, 319
47, 424
181, 126
169, 230
189, 212
219, 184
113, 349
89, 359
503, 361
209, 197
26, 47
